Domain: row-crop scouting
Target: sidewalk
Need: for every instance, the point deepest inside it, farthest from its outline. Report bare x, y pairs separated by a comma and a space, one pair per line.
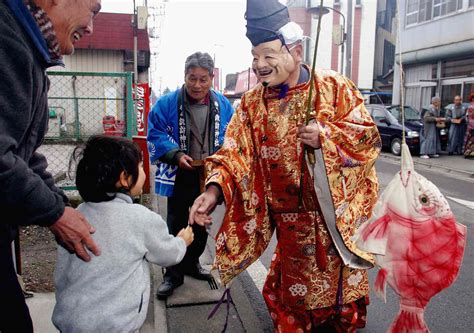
455, 164
190, 305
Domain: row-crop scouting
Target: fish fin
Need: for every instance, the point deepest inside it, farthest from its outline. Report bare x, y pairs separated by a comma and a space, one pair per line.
380, 285
409, 319
372, 236
376, 229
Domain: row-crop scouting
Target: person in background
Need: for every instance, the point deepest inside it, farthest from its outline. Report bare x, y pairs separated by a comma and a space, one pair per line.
456, 117
431, 145
317, 281
111, 293
184, 127
34, 34
469, 137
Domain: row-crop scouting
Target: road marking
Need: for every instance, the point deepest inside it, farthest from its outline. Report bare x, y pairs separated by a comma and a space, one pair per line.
258, 273
468, 204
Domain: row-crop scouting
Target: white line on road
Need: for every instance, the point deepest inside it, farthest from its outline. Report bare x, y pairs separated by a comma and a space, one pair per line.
258, 273
468, 204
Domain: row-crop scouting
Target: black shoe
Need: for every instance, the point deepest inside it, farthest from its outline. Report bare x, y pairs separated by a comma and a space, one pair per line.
166, 288
199, 273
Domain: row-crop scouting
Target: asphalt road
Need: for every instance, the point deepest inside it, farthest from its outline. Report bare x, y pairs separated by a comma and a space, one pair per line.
450, 311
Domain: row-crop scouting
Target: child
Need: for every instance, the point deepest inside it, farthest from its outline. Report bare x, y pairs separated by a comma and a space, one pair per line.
111, 292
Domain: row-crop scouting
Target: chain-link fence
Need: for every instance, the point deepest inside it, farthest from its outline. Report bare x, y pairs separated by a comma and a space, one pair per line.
81, 105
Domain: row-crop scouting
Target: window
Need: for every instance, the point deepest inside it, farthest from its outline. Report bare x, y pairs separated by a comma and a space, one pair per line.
410, 113
425, 10
471, 3
378, 113
468, 89
443, 7
388, 56
412, 12
458, 67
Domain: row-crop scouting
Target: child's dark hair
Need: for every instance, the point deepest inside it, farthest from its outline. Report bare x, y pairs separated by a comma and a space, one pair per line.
102, 160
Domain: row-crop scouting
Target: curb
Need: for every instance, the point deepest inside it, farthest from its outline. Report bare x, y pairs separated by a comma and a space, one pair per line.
459, 172
160, 320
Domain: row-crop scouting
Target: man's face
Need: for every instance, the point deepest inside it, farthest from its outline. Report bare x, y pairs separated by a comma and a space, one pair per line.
72, 19
272, 63
457, 100
197, 81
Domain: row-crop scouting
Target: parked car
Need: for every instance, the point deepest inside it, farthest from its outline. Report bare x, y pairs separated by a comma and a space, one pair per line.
388, 121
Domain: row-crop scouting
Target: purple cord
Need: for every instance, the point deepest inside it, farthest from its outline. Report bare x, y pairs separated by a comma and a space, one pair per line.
226, 297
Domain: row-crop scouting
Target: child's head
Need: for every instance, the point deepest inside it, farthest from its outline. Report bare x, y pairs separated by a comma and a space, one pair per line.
109, 165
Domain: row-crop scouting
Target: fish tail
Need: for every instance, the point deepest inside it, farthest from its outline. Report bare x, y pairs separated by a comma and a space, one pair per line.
409, 319
380, 284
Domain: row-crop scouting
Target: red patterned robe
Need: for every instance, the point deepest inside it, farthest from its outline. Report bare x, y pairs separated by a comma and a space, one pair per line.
259, 171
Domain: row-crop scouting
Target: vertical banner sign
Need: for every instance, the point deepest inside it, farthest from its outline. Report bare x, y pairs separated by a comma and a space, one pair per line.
141, 96
142, 100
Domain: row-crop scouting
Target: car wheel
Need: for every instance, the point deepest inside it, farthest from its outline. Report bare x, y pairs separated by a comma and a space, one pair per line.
396, 146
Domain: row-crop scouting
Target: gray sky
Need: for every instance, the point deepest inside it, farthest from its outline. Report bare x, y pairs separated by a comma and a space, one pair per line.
213, 26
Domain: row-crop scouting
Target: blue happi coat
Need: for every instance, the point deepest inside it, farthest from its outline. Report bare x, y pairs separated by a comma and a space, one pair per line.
168, 129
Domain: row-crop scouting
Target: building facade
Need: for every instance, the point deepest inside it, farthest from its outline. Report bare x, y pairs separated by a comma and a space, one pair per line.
437, 51
347, 38
384, 55
110, 48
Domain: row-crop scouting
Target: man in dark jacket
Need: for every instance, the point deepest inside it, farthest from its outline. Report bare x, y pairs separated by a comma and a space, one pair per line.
34, 34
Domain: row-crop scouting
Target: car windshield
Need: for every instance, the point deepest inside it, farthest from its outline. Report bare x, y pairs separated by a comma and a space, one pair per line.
410, 113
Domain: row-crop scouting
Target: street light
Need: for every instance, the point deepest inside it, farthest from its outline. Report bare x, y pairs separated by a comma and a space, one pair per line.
315, 11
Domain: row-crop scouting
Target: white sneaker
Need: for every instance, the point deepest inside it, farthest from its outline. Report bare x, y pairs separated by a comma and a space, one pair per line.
435, 156
424, 156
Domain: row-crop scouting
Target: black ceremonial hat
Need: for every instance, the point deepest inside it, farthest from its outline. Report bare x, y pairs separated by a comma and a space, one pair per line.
264, 19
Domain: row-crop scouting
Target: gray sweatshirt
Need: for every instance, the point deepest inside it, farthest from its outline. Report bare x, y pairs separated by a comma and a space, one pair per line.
111, 292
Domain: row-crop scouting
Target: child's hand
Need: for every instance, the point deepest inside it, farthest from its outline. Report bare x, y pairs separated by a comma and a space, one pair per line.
187, 235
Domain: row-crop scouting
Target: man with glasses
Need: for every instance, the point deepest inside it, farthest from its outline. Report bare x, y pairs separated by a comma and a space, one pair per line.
185, 127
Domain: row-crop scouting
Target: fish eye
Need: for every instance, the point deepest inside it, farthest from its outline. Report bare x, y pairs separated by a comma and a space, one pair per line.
424, 199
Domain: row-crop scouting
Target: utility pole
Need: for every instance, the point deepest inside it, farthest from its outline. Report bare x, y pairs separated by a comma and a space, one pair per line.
349, 40
135, 44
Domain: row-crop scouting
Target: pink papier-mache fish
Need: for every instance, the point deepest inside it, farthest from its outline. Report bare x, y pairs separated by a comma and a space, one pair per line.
417, 244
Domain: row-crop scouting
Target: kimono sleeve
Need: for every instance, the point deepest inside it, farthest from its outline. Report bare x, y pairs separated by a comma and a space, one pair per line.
246, 229
347, 127
235, 161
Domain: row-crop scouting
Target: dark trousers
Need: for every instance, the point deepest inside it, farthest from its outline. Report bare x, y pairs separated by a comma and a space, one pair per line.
14, 316
186, 190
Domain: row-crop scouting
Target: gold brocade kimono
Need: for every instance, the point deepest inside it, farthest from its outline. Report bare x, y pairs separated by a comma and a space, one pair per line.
259, 169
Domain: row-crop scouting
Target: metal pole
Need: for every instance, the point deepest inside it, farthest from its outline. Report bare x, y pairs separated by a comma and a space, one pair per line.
349, 40
130, 106
343, 41
131, 120
135, 44
343, 35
